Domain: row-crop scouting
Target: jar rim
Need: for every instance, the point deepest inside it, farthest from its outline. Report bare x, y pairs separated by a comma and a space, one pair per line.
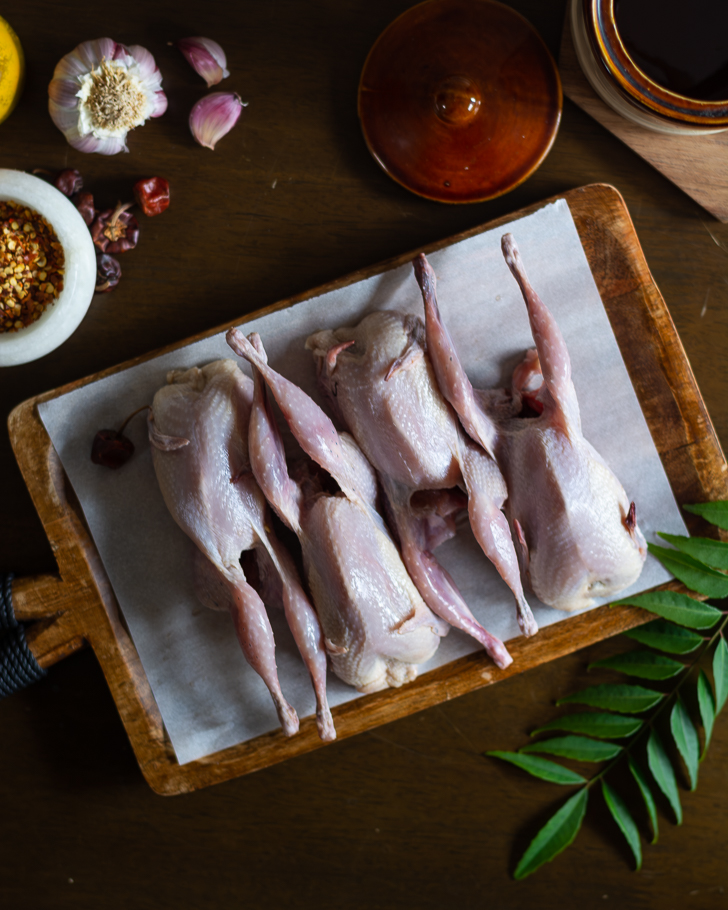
608, 47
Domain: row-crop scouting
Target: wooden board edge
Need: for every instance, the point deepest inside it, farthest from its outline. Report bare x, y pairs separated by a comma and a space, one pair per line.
80, 604
459, 677
693, 457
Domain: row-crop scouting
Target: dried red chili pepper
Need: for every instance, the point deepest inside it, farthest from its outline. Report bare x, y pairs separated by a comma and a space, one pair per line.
110, 448
84, 202
115, 230
108, 273
152, 195
69, 182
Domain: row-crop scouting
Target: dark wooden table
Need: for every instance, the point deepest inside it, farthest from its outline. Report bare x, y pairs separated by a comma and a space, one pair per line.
411, 815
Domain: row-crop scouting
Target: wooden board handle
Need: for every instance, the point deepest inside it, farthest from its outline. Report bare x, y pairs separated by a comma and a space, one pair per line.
46, 601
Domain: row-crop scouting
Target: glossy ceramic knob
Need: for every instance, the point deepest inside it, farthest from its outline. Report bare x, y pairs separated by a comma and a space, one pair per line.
459, 100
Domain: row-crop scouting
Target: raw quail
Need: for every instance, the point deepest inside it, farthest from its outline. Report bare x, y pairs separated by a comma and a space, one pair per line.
575, 526
198, 428
377, 627
378, 379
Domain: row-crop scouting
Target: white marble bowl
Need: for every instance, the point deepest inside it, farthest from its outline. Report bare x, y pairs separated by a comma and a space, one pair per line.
60, 320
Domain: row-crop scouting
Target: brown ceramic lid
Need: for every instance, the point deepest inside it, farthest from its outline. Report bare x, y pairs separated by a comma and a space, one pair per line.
459, 100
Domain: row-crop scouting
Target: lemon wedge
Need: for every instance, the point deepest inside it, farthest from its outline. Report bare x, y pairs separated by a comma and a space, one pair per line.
12, 68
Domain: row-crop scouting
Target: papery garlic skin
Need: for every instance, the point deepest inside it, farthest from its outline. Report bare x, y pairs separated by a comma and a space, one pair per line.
214, 116
206, 57
103, 89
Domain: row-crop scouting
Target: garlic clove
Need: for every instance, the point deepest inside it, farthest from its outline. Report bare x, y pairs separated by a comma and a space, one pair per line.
64, 93
206, 57
147, 65
110, 146
149, 71
86, 56
65, 117
214, 116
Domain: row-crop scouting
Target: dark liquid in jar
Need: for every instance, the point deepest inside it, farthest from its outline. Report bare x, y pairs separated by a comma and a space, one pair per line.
681, 45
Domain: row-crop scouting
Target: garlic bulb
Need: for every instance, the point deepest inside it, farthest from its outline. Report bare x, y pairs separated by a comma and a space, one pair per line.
214, 116
101, 90
206, 57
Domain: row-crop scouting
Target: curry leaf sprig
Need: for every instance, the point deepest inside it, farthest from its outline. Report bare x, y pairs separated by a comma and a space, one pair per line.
638, 716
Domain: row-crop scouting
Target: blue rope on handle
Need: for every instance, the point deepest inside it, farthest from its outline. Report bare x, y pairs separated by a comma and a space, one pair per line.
18, 666
7, 617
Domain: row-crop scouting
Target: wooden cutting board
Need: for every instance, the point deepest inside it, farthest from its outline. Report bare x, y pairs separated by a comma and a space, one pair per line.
78, 606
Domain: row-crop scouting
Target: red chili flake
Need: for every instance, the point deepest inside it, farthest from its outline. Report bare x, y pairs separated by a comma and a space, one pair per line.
110, 448
31, 266
152, 195
115, 230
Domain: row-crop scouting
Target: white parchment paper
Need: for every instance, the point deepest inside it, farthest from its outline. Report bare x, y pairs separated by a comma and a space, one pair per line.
208, 696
